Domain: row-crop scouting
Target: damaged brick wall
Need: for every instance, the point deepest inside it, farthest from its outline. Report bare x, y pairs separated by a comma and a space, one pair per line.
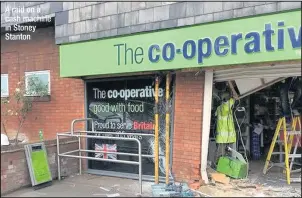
188, 126
14, 169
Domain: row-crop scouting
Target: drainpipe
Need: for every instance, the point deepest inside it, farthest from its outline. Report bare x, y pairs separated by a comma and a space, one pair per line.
156, 133
206, 123
167, 128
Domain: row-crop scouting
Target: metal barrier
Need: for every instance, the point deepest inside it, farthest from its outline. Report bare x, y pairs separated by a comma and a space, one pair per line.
81, 119
78, 134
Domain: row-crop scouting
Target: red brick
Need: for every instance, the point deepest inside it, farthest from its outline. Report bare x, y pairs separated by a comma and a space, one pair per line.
41, 53
187, 126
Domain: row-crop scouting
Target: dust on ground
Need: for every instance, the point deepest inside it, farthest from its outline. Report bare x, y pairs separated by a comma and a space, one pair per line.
272, 184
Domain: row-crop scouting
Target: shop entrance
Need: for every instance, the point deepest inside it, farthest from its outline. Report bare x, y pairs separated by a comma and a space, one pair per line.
126, 105
261, 92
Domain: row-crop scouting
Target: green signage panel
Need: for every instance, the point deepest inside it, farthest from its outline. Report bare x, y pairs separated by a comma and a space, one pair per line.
37, 162
40, 166
275, 37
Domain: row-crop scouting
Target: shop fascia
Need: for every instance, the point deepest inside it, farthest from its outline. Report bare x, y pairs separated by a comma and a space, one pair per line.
275, 37
221, 46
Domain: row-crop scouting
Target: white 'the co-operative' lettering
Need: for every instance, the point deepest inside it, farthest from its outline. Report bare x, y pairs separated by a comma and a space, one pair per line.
146, 92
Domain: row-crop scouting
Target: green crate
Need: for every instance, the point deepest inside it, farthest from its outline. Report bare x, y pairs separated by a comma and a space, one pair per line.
232, 167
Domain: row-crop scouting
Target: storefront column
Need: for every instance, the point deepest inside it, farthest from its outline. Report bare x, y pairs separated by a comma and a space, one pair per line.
187, 126
207, 101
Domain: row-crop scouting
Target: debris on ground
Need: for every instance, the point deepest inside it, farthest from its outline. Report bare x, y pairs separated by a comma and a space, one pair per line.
105, 189
220, 178
244, 188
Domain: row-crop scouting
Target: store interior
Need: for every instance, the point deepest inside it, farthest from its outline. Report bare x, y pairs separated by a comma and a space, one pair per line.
256, 111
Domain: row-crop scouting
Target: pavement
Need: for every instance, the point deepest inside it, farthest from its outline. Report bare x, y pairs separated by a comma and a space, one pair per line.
87, 185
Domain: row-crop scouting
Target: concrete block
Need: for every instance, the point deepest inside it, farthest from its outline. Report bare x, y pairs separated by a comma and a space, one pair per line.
85, 13
177, 10
74, 16
107, 33
62, 40
185, 21
168, 24
79, 4
152, 26
56, 7
223, 15
205, 18
266, 8
80, 27
104, 23
153, 4
161, 13
211, 7
146, 16
123, 7
94, 25
138, 5
61, 18
114, 21
232, 5
77, 28
59, 31
113, 32
45, 8
138, 28
65, 30
70, 16
93, 35
110, 8
88, 26
97, 10
131, 18
244, 12
120, 20
123, 30
194, 8
67, 5
85, 37
70, 29
100, 34
288, 5
74, 38
253, 3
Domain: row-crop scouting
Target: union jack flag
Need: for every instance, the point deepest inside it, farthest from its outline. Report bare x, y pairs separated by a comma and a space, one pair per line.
106, 148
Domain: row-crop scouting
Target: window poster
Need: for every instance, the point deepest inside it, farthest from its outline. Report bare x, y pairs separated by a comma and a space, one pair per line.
127, 106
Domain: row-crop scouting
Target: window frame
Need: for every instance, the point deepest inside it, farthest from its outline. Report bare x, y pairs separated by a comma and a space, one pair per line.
37, 73
5, 94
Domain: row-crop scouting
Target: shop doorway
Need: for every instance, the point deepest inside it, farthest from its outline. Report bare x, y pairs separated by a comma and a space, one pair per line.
127, 105
256, 113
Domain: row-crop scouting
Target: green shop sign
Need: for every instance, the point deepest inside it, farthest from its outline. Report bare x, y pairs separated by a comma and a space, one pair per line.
267, 38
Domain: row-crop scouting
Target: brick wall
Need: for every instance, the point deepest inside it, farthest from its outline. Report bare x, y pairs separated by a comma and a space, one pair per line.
187, 126
67, 95
14, 169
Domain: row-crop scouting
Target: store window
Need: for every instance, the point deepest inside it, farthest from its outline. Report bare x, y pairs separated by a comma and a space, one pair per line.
4, 85
39, 79
127, 106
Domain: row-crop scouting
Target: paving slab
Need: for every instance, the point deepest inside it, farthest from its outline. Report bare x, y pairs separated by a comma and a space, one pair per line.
87, 185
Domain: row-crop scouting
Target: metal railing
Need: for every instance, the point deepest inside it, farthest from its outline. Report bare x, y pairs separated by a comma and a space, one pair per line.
79, 136
79, 120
